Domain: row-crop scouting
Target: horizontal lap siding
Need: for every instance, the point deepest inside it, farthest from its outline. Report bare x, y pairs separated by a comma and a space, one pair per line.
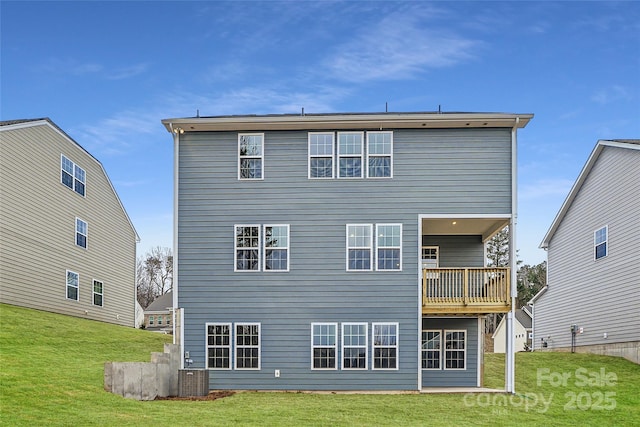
317, 288
600, 296
37, 231
457, 251
454, 377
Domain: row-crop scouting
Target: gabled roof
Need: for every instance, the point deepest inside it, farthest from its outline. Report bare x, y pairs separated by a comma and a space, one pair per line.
524, 318
337, 121
45, 121
162, 303
632, 144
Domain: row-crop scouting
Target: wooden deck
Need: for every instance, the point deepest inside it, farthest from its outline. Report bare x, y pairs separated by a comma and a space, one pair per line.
466, 290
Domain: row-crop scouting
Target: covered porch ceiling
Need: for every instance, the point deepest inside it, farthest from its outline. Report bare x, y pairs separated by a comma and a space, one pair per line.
486, 227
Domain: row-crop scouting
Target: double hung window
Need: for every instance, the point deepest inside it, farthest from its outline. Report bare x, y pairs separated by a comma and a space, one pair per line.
257, 246
379, 154
385, 345
324, 345
389, 246
455, 349
251, 156
247, 248
276, 248
350, 152
354, 346
600, 238
359, 247
431, 349
98, 293
218, 345
81, 233
73, 285
72, 175
247, 346
321, 151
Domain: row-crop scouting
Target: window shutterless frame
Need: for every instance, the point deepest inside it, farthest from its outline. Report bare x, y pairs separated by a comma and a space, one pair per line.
247, 346
385, 348
72, 288
601, 242
247, 244
380, 154
72, 175
455, 349
355, 346
431, 349
350, 155
82, 233
218, 338
276, 247
359, 247
321, 153
251, 156
324, 346
389, 247
98, 293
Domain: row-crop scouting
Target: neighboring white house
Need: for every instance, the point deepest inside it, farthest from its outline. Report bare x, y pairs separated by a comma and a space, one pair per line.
522, 332
67, 243
592, 299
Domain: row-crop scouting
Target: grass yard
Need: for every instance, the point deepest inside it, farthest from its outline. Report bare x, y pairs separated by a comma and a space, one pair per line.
51, 373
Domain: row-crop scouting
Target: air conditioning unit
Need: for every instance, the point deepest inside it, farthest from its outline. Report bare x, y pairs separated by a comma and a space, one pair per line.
193, 382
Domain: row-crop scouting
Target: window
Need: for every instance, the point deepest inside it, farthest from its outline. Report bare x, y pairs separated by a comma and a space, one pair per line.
250, 156
321, 146
324, 343
350, 150
81, 233
389, 246
600, 242
359, 247
385, 345
455, 351
379, 154
160, 320
354, 346
218, 345
247, 345
73, 287
151, 319
431, 349
247, 248
168, 320
276, 248
72, 175
97, 293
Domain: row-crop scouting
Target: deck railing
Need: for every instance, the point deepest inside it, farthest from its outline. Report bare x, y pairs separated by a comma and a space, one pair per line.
466, 289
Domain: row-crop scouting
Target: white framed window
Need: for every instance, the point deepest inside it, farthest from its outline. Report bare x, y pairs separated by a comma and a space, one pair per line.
431, 349
388, 247
73, 285
251, 156
359, 247
455, 351
72, 175
151, 320
98, 293
321, 154
324, 345
600, 239
218, 345
380, 154
350, 153
247, 345
354, 345
385, 346
82, 232
247, 248
276, 247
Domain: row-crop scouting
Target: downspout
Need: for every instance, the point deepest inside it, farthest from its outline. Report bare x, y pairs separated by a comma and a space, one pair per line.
510, 351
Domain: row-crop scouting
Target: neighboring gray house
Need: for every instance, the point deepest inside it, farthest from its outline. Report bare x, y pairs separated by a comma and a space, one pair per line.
158, 315
593, 259
66, 243
341, 251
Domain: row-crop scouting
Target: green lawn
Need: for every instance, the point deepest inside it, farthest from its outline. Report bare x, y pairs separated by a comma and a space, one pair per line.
51, 373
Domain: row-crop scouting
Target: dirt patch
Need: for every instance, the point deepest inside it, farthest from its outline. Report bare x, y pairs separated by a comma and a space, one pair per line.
213, 395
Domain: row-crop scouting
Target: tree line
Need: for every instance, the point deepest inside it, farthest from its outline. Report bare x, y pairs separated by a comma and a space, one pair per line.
154, 275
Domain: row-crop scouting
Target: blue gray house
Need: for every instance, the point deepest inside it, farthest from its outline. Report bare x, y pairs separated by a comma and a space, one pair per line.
341, 251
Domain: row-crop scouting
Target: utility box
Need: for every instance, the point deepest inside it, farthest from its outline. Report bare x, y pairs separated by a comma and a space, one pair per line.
193, 382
